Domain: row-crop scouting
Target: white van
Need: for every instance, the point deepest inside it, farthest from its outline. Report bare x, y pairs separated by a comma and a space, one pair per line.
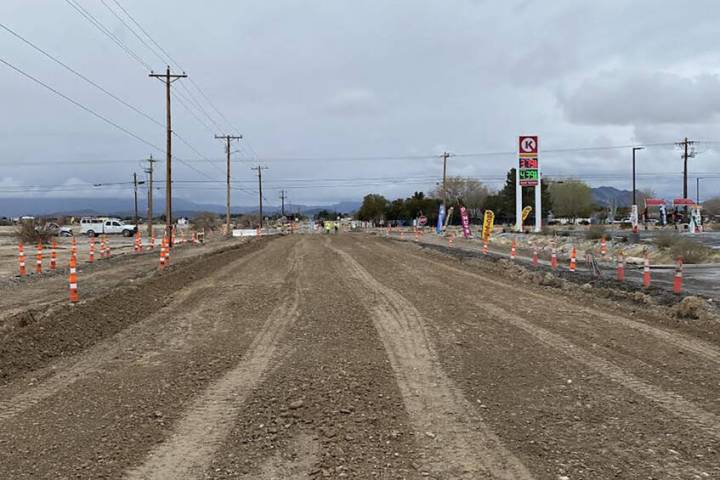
92, 226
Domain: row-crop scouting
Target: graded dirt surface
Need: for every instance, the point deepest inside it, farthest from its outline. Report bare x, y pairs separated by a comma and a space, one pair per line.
349, 356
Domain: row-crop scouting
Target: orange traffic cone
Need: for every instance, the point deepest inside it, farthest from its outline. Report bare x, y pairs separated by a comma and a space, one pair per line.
450, 240
535, 257
513, 250
620, 268
73, 280
91, 257
485, 247
677, 281
21, 259
646, 272
553, 259
53, 256
73, 247
162, 253
108, 251
38, 258
102, 246
573, 256
603, 247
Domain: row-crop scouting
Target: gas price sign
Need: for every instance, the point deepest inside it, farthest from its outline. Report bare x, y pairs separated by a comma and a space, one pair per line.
528, 166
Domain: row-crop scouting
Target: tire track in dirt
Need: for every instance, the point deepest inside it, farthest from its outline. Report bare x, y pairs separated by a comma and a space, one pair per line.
463, 449
669, 401
647, 357
206, 423
673, 403
703, 349
89, 361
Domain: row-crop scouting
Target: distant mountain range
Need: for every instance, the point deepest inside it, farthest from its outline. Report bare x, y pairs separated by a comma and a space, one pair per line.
611, 196
120, 207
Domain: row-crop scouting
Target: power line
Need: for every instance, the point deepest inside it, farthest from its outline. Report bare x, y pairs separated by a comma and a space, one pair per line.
80, 75
105, 31
80, 105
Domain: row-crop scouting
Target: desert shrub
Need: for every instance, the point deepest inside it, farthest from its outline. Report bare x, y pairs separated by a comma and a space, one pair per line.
690, 250
32, 232
207, 221
595, 232
666, 239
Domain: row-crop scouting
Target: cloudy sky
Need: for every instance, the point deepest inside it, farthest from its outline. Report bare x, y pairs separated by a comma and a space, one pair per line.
341, 98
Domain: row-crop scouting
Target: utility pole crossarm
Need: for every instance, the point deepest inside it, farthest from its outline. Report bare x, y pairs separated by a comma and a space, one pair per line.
228, 139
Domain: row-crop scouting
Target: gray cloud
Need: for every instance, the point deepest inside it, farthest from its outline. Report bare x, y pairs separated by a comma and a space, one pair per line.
627, 97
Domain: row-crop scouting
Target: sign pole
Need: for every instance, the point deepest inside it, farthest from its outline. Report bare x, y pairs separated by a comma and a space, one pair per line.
538, 202
518, 202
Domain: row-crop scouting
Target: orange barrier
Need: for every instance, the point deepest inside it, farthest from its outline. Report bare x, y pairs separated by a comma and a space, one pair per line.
21, 259
73, 280
573, 256
108, 251
513, 250
646, 272
102, 246
620, 268
535, 257
678, 280
553, 259
485, 247
53, 256
38, 258
603, 247
73, 247
91, 257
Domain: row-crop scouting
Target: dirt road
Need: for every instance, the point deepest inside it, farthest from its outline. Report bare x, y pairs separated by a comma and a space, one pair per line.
352, 356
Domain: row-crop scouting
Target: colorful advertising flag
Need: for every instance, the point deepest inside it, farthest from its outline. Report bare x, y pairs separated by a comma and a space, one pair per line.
488, 224
441, 220
525, 212
465, 222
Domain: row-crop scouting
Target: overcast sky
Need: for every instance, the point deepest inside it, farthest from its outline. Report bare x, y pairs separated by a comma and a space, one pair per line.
313, 85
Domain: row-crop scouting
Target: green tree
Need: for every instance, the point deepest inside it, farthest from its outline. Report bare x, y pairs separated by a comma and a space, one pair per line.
465, 191
373, 208
571, 198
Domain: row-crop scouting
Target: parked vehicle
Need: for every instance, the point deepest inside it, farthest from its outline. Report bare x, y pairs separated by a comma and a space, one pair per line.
59, 231
92, 226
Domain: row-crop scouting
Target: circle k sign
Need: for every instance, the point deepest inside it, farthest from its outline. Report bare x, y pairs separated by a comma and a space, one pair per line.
528, 145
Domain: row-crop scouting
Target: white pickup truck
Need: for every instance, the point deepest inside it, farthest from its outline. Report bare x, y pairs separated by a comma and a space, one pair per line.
93, 226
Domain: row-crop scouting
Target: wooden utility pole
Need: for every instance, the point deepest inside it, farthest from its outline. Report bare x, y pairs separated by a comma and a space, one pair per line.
228, 139
687, 153
135, 183
445, 156
168, 78
260, 196
283, 196
149, 171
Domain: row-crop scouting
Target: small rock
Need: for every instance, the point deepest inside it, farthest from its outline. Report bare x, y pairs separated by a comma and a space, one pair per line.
296, 404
